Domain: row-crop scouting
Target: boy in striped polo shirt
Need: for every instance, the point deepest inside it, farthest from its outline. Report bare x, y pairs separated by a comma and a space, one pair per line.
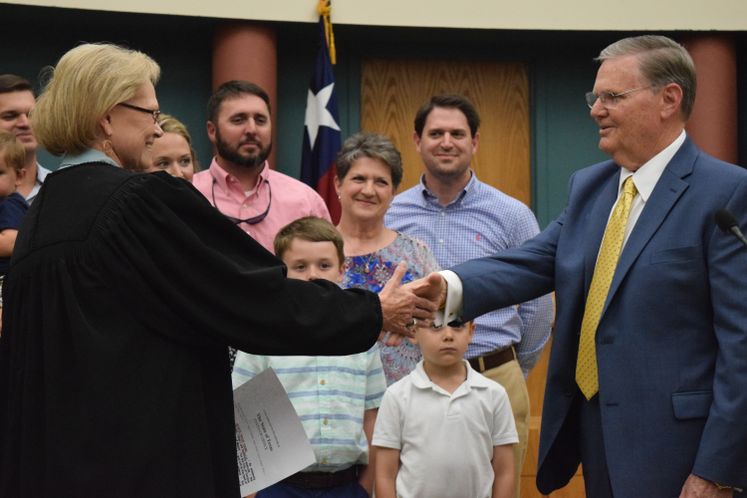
336, 397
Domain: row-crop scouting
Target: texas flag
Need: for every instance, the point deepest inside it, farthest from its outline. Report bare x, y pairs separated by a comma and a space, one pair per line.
322, 140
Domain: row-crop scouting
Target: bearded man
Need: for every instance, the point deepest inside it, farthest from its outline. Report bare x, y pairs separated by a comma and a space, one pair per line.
239, 182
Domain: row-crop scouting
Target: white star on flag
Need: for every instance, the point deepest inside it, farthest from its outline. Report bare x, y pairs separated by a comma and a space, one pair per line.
317, 114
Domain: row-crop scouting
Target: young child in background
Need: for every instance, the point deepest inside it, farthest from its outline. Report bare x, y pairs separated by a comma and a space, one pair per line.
336, 397
12, 204
445, 430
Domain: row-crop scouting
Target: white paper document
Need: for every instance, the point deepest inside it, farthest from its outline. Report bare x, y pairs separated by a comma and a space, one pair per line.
270, 441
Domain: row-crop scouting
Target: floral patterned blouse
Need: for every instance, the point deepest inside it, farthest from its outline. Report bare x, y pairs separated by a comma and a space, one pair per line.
372, 271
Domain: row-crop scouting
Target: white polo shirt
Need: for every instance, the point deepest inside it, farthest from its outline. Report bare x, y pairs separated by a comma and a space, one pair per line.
445, 440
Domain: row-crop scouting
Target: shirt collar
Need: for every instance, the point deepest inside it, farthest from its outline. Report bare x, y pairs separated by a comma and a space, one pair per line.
646, 177
221, 176
429, 196
41, 173
421, 380
87, 156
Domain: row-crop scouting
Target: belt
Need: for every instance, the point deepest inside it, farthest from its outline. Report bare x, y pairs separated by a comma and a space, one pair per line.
493, 359
318, 480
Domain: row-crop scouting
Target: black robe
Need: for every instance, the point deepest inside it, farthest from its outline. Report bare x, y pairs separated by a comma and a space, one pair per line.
124, 292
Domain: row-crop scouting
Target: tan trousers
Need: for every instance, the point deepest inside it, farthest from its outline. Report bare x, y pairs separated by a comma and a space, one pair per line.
510, 376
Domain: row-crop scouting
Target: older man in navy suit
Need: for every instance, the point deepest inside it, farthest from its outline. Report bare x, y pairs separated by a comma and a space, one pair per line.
647, 384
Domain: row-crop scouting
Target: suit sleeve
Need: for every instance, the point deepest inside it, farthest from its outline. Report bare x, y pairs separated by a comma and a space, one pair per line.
512, 276
537, 314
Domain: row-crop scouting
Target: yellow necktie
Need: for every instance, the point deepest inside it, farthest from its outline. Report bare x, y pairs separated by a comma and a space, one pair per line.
587, 376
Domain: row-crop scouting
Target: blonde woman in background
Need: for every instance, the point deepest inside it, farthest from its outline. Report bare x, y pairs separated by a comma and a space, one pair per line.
173, 151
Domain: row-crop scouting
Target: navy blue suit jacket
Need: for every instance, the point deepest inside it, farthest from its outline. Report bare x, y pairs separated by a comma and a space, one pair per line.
672, 339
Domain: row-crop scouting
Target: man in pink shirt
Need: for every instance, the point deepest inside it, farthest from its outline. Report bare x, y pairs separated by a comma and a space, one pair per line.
239, 182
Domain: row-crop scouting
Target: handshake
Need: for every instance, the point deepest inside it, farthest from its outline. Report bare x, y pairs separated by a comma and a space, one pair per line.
404, 305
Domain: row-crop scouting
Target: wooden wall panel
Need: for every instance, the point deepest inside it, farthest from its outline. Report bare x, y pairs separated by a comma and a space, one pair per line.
393, 90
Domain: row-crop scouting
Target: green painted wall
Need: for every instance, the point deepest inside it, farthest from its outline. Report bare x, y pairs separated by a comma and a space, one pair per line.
564, 135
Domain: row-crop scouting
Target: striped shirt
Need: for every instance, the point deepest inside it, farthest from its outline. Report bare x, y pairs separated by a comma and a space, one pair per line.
480, 222
330, 394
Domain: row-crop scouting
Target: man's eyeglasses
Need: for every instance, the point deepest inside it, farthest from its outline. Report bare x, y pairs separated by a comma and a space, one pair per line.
609, 99
156, 113
254, 219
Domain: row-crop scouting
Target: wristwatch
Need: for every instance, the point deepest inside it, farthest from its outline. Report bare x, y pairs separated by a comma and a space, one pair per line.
722, 487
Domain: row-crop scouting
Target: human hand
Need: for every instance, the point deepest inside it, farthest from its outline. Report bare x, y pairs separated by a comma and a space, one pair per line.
432, 287
402, 305
697, 487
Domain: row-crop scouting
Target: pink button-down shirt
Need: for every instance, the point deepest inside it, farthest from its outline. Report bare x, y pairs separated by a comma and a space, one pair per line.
291, 200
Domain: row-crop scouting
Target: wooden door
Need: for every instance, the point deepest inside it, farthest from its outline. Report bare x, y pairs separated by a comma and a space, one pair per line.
391, 93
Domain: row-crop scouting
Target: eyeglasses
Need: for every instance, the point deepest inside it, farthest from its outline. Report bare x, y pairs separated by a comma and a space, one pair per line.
609, 99
156, 113
254, 219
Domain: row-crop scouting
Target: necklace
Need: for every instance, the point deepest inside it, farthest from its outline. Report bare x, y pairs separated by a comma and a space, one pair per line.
369, 261
368, 267
366, 263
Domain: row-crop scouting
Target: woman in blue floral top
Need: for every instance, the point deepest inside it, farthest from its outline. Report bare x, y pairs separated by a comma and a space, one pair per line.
369, 170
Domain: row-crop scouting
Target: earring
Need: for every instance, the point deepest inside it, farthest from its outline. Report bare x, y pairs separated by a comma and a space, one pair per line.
107, 147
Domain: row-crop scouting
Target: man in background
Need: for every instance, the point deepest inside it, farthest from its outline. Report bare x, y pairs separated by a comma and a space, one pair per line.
16, 102
239, 182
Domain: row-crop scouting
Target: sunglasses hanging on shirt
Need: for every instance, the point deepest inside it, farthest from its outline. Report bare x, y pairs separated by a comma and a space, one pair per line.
254, 219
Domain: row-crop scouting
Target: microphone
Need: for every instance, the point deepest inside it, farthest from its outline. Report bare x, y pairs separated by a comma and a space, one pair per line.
728, 223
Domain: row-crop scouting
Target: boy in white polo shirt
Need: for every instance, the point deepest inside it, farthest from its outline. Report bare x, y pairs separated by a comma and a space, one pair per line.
445, 430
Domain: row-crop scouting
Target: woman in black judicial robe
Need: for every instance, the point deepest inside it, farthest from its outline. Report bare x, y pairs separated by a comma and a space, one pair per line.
124, 291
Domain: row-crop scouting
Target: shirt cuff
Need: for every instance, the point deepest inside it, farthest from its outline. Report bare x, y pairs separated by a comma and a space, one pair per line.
453, 306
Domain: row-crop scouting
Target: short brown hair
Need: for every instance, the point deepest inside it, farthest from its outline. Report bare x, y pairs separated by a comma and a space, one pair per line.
459, 102
311, 229
373, 146
231, 90
14, 83
12, 151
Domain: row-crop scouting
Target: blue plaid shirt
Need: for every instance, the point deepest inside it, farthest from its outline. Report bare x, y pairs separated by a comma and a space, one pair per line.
479, 222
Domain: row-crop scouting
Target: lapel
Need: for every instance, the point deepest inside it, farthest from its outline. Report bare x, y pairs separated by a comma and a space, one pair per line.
669, 188
596, 222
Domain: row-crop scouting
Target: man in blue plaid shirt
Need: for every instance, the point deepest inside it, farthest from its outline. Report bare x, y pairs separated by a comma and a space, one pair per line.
461, 218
